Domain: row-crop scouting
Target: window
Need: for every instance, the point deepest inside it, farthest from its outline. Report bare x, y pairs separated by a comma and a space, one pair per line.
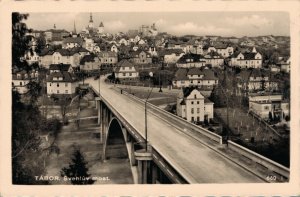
124, 74
191, 81
20, 83
195, 96
198, 110
57, 91
198, 81
192, 110
66, 84
198, 119
57, 84
266, 107
66, 91
192, 102
198, 102
193, 119
130, 74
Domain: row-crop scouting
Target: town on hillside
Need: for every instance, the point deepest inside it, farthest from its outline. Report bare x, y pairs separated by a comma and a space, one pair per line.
237, 88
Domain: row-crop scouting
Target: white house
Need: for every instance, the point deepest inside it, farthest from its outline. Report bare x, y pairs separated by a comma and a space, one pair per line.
247, 60
196, 77
263, 105
126, 71
192, 106
61, 83
22, 78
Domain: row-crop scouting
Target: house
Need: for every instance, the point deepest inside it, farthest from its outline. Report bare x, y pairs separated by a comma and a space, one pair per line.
89, 44
193, 106
125, 70
141, 57
61, 83
71, 42
22, 78
191, 60
264, 105
32, 57
201, 78
251, 59
90, 63
285, 65
214, 59
274, 68
171, 55
60, 68
256, 81
114, 48
108, 58
65, 56
46, 58
123, 41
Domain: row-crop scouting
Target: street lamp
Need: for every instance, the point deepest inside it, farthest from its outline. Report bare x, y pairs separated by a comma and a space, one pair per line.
146, 131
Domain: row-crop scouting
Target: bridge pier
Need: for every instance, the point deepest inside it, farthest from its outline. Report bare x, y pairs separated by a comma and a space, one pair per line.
144, 159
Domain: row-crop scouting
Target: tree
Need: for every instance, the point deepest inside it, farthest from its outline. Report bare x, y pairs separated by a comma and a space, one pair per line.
77, 170
20, 42
34, 91
27, 157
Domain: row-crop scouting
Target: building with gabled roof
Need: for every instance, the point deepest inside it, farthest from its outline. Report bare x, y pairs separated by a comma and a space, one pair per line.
126, 70
202, 78
190, 60
193, 106
251, 59
71, 42
22, 78
61, 83
140, 57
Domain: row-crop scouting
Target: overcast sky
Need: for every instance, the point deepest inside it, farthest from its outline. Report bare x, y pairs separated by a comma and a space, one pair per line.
177, 23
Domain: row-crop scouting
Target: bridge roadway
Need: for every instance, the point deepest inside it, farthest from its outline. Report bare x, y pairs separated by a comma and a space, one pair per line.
194, 161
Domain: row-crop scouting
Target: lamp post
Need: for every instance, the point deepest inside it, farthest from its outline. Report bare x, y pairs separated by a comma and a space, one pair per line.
99, 80
146, 131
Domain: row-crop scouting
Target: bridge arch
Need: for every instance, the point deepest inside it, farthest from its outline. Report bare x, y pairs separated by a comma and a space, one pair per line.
115, 144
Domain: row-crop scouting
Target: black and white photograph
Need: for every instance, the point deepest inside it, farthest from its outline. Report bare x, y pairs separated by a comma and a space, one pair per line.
150, 97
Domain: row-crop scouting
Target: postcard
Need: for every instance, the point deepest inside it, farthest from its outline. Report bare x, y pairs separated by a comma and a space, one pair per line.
150, 98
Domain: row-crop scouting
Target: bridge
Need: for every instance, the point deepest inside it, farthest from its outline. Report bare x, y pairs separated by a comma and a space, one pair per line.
177, 151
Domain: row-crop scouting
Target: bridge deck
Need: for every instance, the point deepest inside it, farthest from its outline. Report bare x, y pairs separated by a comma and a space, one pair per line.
196, 162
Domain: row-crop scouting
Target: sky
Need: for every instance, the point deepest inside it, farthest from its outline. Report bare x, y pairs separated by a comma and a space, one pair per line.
177, 23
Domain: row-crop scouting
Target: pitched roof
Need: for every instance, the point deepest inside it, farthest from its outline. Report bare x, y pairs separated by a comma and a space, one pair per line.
181, 74
61, 67
194, 71
66, 77
107, 54
249, 56
209, 74
123, 63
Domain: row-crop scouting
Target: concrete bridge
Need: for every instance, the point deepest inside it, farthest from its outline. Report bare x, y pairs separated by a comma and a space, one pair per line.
177, 151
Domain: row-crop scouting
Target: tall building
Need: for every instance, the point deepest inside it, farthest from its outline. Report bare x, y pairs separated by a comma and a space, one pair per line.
91, 22
101, 28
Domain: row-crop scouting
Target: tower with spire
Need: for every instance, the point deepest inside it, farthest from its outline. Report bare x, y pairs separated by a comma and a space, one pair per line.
91, 22
101, 28
74, 30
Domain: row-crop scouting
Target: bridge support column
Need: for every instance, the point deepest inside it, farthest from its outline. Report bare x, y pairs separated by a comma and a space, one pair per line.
154, 172
144, 159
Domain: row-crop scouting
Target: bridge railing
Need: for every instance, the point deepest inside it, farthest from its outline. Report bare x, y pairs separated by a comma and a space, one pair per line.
188, 125
266, 163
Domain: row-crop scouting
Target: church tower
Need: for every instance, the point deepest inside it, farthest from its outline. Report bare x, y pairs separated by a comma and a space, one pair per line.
101, 28
91, 22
